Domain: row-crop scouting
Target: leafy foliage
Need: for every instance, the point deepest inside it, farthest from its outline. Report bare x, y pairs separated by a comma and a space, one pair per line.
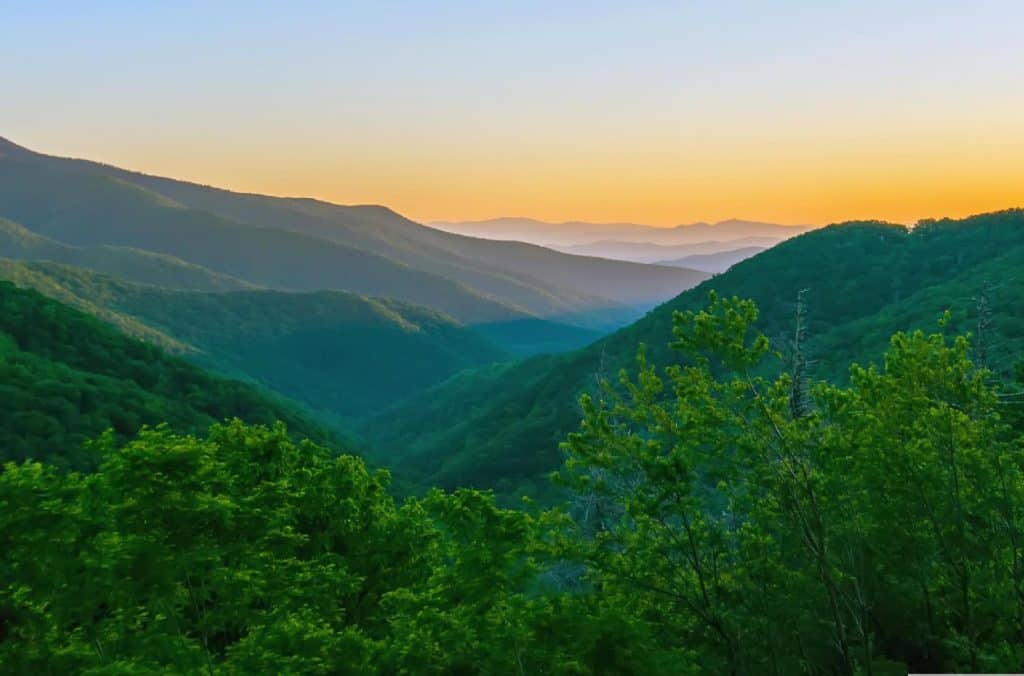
244, 552
879, 528
713, 527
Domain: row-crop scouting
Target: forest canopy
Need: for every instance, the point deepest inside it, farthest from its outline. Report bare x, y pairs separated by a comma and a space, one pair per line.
66, 377
719, 521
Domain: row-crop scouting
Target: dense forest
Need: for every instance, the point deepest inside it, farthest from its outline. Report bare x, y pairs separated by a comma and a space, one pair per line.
66, 377
810, 463
339, 353
719, 520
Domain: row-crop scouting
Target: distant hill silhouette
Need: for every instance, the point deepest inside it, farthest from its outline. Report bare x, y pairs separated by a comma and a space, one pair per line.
646, 252
715, 262
574, 233
304, 244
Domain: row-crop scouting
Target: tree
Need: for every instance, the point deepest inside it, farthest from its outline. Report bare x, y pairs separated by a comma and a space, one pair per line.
879, 521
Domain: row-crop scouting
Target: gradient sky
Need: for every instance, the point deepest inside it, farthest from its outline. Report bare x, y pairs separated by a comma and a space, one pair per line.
798, 112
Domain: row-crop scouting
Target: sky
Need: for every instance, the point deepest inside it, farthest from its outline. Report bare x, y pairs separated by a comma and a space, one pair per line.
647, 112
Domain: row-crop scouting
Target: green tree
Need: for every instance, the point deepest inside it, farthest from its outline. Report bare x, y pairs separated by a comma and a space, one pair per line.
867, 526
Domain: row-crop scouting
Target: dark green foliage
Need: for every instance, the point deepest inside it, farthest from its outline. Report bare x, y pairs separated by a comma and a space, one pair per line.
878, 529
244, 553
65, 378
864, 281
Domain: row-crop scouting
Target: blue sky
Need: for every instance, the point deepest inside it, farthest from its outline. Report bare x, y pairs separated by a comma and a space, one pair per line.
451, 109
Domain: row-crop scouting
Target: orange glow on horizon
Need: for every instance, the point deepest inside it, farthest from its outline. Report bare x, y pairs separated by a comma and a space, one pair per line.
655, 113
793, 180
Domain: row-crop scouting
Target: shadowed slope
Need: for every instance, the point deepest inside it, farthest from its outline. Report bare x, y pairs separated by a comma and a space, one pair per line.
65, 378
134, 265
337, 352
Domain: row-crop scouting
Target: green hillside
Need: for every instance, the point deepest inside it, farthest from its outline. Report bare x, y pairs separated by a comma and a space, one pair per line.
527, 337
65, 377
340, 353
501, 426
715, 530
134, 265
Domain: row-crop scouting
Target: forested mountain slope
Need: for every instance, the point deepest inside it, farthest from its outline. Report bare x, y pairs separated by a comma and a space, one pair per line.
863, 282
303, 244
65, 377
127, 263
337, 352
513, 270
719, 523
90, 209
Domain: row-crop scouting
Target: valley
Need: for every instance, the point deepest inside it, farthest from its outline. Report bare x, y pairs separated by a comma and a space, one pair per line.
333, 388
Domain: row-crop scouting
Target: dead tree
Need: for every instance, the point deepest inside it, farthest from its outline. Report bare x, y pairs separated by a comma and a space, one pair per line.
799, 393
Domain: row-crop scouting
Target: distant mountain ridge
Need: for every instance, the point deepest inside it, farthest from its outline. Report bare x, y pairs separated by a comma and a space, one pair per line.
715, 262
646, 252
304, 244
574, 233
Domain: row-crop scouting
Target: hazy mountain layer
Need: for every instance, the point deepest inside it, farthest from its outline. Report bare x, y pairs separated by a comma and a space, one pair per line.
574, 233
715, 262
647, 252
301, 244
84, 208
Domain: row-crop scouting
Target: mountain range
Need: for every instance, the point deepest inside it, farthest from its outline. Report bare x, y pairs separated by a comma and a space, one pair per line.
501, 426
305, 244
635, 242
346, 309
715, 262
574, 233
458, 359
647, 252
